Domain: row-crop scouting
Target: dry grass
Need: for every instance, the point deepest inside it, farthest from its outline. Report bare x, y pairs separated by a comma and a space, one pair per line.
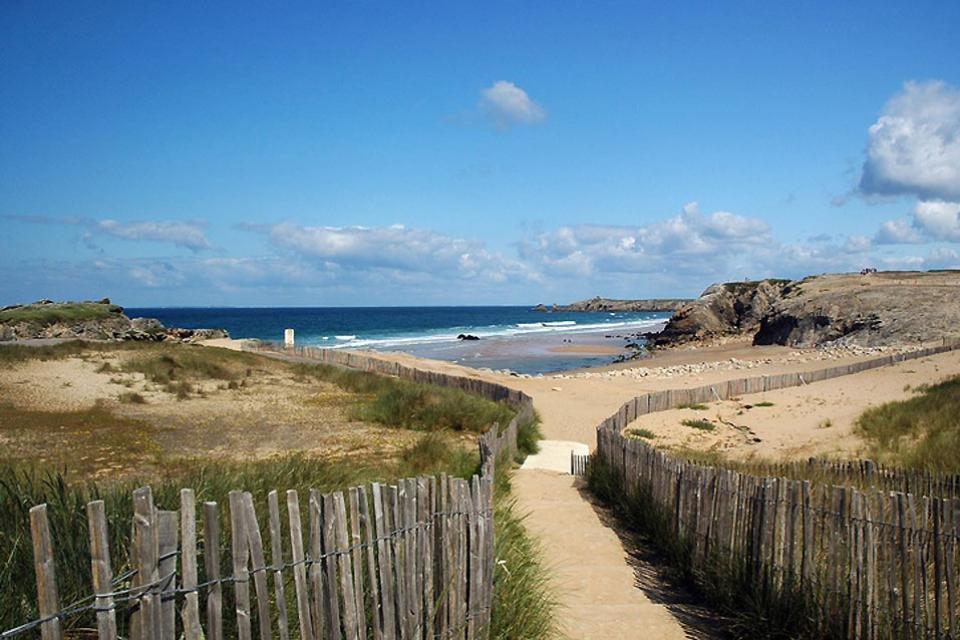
922, 432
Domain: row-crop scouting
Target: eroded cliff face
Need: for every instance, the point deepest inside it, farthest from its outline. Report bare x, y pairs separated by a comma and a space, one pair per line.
728, 309
877, 309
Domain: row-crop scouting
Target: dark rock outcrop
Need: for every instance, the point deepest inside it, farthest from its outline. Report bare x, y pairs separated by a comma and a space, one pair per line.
733, 308
891, 308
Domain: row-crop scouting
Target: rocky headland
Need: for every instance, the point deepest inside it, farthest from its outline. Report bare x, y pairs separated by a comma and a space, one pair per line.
890, 308
89, 320
610, 304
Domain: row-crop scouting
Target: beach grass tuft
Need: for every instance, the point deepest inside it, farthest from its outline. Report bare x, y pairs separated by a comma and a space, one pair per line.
698, 423
413, 405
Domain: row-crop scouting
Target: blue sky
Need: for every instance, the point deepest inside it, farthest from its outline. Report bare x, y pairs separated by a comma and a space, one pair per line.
487, 153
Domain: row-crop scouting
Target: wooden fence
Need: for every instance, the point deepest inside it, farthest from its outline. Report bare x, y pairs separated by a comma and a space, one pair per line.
873, 562
411, 560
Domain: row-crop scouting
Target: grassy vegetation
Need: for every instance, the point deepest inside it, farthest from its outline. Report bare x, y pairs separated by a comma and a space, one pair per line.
412, 405
730, 588
47, 314
738, 288
699, 406
88, 440
641, 433
764, 403
922, 432
698, 423
528, 438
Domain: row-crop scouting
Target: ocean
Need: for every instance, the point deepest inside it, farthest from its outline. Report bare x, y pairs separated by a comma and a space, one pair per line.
515, 338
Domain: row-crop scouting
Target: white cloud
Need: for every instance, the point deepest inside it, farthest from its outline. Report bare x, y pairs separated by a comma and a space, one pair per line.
190, 235
939, 220
897, 232
184, 234
507, 104
690, 241
914, 147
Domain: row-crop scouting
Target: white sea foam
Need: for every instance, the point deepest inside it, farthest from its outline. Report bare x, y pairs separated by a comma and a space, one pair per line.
558, 323
521, 329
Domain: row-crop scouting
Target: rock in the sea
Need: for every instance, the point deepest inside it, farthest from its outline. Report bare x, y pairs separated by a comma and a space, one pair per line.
467, 336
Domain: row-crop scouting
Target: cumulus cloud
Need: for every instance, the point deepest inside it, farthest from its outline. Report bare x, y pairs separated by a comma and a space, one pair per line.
689, 241
914, 147
930, 221
897, 232
938, 219
506, 104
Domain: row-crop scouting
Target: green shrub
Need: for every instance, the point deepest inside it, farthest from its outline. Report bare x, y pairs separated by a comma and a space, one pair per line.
699, 423
641, 433
528, 438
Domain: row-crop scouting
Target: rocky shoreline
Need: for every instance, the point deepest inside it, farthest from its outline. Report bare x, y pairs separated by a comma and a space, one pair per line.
90, 320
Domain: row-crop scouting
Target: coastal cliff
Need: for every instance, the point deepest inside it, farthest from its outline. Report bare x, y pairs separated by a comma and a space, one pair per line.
89, 320
869, 310
610, 304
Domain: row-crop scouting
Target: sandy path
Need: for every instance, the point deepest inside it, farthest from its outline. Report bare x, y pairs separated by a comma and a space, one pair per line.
597, 586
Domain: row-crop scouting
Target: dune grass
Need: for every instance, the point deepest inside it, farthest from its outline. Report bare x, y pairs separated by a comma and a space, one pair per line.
412, 405
646, 434
922, 432
698, 423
